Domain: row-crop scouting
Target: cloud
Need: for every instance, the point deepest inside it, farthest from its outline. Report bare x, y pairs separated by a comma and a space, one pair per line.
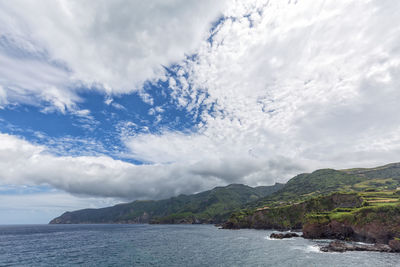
287, 87
3, 97
50, 48
279, 87
30, 80
314, 83
24, 163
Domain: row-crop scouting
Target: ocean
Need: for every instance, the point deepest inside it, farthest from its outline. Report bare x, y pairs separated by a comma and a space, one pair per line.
167, 245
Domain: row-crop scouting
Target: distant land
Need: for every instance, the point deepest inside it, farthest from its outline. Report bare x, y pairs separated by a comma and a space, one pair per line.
212, 206
360, 204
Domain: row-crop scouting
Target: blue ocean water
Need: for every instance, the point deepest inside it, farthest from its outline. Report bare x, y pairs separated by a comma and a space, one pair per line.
167, 245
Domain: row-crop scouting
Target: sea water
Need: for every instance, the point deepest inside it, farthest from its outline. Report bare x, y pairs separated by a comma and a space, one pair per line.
167, 245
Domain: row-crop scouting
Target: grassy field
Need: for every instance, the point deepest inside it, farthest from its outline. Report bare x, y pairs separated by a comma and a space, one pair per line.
371, 200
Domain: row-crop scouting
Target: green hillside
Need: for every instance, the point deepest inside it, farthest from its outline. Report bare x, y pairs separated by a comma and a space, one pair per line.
290, 207
325, 181
217, 205
211, 206
292, 216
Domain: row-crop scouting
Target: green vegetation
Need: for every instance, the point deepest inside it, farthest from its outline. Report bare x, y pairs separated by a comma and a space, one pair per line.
383, 212
356, 208
323, 196
293, 216
213, 206
321, 182
352, 196
376, 223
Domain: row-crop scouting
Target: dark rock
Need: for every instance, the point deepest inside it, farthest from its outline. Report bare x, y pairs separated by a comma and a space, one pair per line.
394, 244
230, 225
373, 232
340, 246
332, 230
335, 246
283, 235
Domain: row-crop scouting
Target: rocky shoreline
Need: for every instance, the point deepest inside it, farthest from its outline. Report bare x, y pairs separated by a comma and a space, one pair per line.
342, 246
368, 217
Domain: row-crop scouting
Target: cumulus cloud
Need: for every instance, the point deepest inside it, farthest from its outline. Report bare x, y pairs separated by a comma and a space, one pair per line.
280, 87
288, 87
313, 82
31, 79
49, 48
24, 163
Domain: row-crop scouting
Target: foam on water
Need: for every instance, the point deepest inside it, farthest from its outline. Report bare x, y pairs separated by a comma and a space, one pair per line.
313, 249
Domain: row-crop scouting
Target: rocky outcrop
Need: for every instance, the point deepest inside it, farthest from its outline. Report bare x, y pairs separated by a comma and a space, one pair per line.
373, 232
283, 235
340, 246
331, 230
394, 244
378, 225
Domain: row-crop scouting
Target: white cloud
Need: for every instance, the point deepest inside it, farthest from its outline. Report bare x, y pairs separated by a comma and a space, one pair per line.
286, 86
294, 86
316, 83
29, 81
26, 164
49, 48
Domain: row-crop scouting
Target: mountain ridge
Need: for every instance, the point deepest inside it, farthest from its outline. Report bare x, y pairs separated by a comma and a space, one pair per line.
211, 206
220, 203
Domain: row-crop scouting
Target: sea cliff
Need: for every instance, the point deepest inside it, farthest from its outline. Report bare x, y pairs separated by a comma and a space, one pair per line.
372, 217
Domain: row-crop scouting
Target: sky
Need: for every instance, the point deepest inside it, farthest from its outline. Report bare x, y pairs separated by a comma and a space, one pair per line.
103, 102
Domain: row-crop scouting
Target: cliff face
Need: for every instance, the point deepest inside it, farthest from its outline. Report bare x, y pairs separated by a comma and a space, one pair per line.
379, 224
371, 196
372, 217
291, 216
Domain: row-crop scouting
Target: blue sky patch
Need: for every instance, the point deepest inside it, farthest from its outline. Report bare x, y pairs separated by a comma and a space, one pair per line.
99, 131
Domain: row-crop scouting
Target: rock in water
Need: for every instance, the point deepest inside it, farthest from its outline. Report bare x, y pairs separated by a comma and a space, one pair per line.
340, 246
283, 235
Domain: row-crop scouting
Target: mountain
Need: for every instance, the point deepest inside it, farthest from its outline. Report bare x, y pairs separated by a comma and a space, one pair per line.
218, 204
212, 206
325, 181
389, 171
